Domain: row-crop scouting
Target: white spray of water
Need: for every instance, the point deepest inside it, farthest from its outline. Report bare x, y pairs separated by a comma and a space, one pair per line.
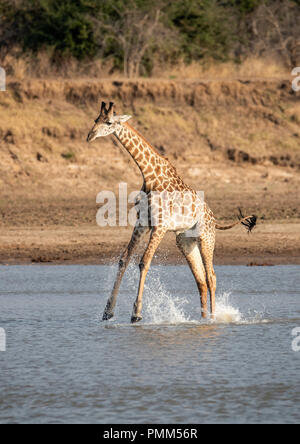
226, 313
160, 307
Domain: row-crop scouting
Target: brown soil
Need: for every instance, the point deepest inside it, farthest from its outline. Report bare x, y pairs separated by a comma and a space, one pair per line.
236, 140
270, 244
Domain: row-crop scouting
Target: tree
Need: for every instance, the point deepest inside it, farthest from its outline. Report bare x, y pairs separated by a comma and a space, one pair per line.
274, 28
206, 26
131, 29
60, 25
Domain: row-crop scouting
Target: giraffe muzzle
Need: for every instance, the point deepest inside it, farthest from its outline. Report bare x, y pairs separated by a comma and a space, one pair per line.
91, 137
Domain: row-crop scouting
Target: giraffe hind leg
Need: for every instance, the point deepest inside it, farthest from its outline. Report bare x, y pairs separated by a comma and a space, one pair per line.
189, 248
207, 246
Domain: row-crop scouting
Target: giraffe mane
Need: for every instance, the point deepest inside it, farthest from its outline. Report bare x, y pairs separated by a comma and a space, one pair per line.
144, 140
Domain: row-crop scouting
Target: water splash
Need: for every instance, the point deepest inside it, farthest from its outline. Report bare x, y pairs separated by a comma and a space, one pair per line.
226, 313
160, 307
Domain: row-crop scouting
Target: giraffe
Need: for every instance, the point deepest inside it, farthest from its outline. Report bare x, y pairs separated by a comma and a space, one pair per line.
188, 215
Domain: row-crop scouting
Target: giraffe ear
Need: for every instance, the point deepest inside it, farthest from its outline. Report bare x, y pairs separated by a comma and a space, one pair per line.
119, 119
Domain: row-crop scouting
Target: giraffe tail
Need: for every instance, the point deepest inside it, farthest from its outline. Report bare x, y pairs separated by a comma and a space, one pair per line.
249, 222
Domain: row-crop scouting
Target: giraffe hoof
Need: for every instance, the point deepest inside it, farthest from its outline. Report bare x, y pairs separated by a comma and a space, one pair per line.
135, 319
107, 316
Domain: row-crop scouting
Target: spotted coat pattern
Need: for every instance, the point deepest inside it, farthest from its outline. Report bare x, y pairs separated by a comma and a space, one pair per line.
173, 205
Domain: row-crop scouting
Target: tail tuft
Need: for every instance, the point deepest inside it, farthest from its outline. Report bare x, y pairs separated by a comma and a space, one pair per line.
249, 222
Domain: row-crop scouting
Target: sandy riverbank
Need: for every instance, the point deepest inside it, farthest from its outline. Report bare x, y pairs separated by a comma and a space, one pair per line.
269, 244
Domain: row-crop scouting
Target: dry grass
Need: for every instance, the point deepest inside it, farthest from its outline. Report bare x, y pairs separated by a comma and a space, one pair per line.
41, 66
250, 68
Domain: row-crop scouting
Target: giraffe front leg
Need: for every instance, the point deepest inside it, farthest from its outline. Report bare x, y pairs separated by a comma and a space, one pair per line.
137, 235
156, 238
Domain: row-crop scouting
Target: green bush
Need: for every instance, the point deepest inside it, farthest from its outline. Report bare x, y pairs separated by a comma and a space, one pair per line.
62, 25
206, 27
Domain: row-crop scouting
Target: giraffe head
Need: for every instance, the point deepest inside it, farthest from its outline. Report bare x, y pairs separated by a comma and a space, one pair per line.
106, 123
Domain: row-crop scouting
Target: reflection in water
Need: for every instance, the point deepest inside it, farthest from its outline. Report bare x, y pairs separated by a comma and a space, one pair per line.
171, 347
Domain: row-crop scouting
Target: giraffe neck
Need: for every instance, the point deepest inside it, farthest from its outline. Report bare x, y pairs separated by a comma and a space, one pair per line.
140, 150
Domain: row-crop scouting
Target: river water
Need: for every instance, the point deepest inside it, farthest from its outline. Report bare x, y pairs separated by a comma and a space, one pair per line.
63, 365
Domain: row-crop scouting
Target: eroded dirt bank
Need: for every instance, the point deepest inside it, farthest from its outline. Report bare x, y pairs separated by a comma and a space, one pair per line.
237, 140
